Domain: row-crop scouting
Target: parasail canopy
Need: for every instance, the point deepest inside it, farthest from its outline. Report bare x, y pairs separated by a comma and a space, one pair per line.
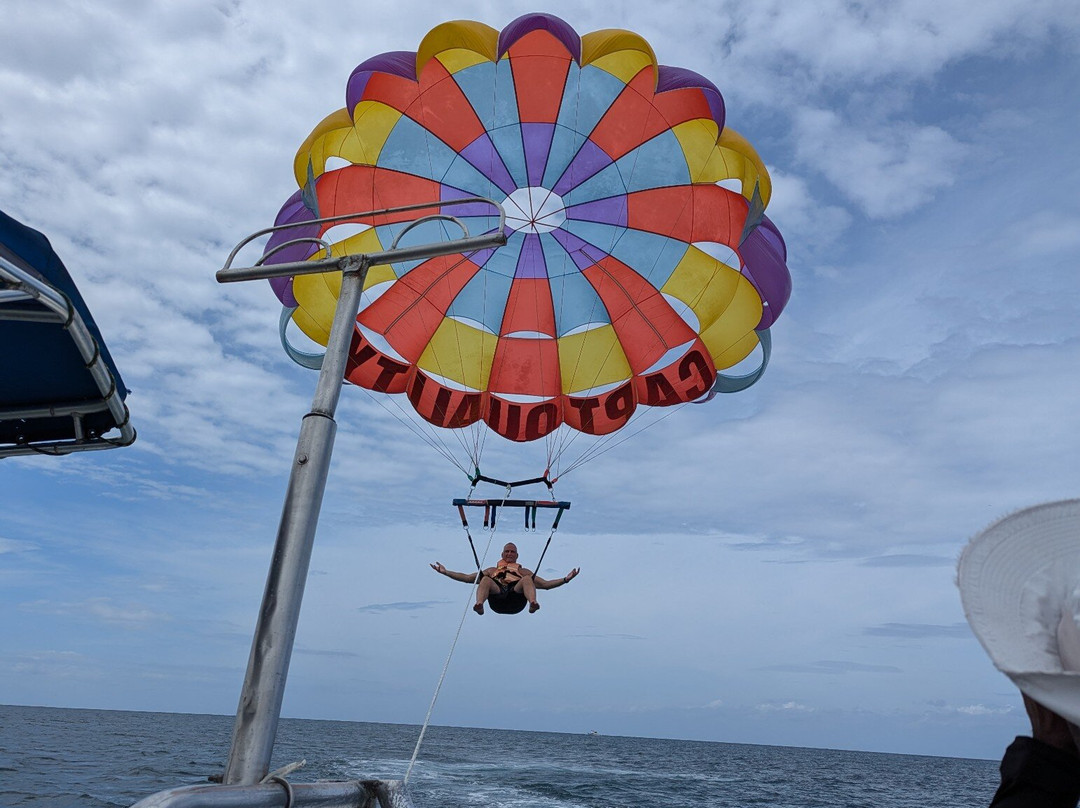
640, 264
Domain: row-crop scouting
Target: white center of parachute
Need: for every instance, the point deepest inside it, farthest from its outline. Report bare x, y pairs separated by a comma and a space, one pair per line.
534, 210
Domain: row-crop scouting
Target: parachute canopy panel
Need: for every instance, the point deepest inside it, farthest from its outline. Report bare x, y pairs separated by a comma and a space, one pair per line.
60, 390
639, 264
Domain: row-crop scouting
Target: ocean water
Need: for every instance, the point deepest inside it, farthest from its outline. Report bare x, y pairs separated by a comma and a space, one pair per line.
61, 758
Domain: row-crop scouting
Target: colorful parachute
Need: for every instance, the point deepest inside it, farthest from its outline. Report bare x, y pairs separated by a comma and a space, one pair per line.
639, 263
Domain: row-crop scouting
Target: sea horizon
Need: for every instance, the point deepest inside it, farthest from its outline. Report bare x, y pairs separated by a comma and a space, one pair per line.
404, 724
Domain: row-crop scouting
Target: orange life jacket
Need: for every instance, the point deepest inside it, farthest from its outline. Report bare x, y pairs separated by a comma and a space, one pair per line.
510, 572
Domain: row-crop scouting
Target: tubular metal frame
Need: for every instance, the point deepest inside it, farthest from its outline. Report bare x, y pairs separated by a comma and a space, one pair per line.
22, 286
342, 794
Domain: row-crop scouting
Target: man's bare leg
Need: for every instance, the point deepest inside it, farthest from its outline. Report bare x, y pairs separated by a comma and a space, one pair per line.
526, 587
483, 590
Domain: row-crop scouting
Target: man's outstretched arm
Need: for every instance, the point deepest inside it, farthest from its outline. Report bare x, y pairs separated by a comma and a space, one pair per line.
542, 583
464, 577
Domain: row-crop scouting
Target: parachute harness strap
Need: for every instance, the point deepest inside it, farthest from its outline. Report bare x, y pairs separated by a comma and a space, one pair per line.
554, 527
457, 635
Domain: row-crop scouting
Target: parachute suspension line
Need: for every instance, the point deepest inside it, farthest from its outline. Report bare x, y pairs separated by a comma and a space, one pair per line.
554, 527
457, 635
609, 442
481, 436
430, 437
562, 446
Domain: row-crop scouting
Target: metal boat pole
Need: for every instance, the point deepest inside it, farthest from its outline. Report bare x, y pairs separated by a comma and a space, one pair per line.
271, 648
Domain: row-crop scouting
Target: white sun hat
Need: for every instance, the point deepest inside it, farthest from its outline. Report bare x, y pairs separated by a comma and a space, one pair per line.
1020, 585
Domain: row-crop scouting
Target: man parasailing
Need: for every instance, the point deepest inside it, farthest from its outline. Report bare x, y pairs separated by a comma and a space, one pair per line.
507, 587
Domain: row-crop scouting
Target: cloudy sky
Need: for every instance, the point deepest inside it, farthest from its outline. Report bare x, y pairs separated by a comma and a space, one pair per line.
775, 567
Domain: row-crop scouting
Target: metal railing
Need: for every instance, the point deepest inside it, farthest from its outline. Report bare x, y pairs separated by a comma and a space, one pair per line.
343, 794
57, 308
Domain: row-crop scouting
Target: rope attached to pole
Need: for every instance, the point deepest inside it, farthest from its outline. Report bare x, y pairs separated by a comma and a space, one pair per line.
453, 645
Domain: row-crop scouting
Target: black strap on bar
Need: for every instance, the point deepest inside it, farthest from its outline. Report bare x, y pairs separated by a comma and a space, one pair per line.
472, 547
546, 544
468, 535
483, 478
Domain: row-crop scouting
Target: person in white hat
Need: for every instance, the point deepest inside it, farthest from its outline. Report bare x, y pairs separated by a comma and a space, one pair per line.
1020, 585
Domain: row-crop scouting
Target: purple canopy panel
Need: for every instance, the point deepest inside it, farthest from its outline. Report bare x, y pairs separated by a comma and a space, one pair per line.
484, 157
611, 210
294, 210
527, 23
531, 262
537, 140
765, 256
583, 254
589, 160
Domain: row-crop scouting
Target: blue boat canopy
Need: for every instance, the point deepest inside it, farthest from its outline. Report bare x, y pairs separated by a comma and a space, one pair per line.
60, 391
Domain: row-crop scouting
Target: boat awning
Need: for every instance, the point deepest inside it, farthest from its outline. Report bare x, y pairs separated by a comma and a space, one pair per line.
60, 391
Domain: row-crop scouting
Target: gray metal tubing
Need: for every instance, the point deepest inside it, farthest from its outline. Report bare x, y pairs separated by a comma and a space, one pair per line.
84, 341
271, 649
420, 252
13, 295
54, 411
436, 217
34, 287
20, 315
352, 217
58, 448
345, 794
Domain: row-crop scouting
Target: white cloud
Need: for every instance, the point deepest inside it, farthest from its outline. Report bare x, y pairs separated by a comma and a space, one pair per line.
15, 546
982, 709
50, 664
887, 172
785, 707
1049, 233
837, 42
103, 609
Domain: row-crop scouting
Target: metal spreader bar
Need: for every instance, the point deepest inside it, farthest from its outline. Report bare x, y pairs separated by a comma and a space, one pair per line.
491, 510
